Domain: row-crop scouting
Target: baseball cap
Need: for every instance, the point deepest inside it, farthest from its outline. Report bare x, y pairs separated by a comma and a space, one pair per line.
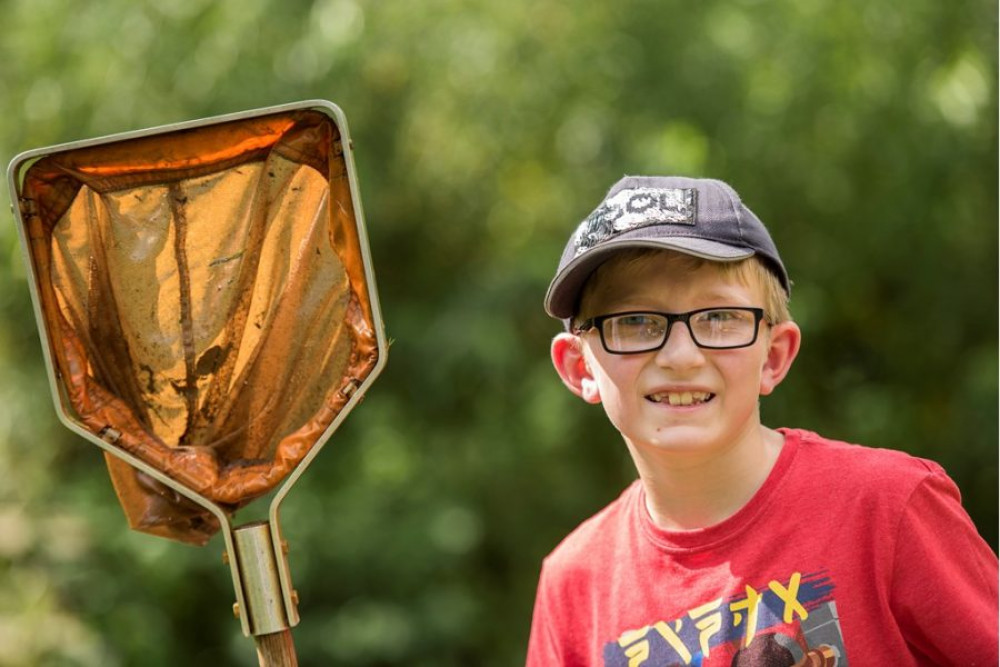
695, 216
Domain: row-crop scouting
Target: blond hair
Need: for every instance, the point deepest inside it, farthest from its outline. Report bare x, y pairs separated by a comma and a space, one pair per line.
751, 272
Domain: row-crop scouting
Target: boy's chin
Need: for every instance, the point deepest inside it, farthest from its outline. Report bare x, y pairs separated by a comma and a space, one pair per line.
695, 441
681, 439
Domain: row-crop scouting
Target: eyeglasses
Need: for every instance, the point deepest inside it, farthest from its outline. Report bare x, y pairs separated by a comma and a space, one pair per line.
711, 328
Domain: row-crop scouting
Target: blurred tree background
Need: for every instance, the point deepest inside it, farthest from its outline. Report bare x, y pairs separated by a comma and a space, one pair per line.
864, 134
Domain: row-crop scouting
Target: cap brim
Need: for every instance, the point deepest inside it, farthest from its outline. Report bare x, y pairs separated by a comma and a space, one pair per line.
564, 291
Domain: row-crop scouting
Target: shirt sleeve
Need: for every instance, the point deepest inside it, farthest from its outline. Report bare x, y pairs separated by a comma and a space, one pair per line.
944, 589
542, 647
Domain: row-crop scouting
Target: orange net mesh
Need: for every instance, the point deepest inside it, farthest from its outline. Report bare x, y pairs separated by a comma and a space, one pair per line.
205, 300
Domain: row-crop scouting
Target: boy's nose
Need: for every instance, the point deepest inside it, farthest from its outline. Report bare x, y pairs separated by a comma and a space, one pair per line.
679, 349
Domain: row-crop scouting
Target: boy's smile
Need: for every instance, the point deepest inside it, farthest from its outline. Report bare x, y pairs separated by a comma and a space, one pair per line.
681, 398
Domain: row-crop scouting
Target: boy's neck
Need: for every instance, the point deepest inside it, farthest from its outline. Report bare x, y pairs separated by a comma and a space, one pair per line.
686, 492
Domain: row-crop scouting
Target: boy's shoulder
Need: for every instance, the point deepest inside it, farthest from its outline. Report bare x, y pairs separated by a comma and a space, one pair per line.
876, 486
593, 540
859, 466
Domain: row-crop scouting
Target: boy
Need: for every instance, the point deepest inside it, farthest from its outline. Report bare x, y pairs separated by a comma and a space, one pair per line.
738, 544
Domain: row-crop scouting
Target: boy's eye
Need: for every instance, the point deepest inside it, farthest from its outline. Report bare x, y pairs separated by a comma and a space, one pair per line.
722, 315
635, 325
722, 320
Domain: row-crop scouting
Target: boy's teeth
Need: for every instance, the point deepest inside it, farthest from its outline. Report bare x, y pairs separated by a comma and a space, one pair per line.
682, 398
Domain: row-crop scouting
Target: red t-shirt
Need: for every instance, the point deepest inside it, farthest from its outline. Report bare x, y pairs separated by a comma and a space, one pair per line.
846, 555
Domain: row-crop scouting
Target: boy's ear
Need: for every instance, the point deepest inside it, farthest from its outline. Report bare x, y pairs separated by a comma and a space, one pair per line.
785, 339
572, 367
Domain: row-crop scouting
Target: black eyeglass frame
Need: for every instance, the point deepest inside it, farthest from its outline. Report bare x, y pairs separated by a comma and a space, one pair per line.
598, 323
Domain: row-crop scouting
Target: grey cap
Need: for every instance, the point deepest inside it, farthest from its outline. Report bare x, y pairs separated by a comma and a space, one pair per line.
695, 216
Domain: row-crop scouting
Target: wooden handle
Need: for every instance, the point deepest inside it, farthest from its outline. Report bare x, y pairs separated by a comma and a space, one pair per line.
276, 650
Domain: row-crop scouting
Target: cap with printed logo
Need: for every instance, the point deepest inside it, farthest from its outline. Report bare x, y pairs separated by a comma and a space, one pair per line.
701, 217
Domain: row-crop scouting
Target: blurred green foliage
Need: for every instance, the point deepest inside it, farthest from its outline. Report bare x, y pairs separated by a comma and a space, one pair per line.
864, 133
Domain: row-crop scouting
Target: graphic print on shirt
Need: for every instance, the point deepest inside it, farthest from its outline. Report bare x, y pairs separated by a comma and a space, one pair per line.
788, 623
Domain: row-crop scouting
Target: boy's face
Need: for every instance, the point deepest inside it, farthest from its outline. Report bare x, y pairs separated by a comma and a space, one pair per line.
680, 398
